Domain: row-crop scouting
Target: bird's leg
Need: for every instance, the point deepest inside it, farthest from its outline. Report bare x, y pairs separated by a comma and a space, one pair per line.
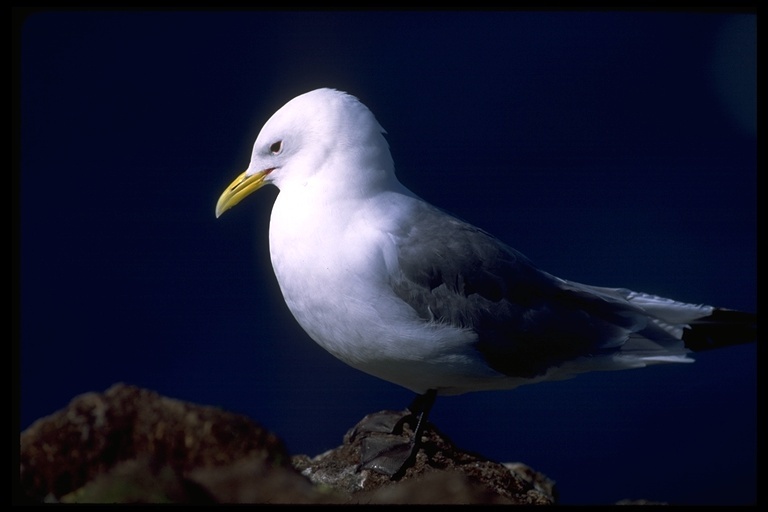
420, 408
419, 411
382, 449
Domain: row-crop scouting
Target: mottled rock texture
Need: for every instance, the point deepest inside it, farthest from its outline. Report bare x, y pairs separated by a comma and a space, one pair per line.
131, 445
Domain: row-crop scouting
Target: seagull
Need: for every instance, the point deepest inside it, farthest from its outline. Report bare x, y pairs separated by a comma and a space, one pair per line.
398, 288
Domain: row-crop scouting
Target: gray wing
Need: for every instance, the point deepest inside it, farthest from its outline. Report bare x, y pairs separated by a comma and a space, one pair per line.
526, 320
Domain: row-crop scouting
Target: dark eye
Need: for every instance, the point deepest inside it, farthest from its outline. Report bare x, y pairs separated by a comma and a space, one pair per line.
276, 147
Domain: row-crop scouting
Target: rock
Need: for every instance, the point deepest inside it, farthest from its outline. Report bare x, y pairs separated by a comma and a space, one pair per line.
138, 481
442, 473
131, 445
96, 432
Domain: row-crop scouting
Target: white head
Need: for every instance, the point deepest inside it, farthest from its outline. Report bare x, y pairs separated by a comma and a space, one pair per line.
324, 135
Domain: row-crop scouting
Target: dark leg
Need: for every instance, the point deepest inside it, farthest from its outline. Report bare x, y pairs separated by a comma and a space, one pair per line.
420, 407
394, 458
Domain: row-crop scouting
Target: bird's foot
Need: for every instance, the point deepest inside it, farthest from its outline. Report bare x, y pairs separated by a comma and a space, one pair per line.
384, 449
387, 457
385, 445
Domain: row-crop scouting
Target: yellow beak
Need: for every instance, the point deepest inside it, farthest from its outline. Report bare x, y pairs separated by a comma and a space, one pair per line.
243, 186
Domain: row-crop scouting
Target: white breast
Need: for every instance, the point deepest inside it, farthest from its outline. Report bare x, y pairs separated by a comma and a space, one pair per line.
334, 279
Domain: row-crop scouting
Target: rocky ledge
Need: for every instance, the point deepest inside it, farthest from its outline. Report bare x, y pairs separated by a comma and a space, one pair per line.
131, 445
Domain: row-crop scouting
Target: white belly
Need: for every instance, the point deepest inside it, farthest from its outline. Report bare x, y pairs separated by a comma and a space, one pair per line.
334, 279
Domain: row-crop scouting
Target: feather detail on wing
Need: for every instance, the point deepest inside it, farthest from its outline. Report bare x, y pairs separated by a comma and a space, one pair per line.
528, 321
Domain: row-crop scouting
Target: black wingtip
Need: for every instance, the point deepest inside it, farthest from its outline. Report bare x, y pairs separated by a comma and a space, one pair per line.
723, 328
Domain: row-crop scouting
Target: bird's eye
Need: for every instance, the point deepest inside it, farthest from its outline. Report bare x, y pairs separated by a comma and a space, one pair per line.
276, 147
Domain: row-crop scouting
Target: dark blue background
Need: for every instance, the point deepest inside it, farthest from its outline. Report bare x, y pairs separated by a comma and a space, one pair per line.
613, 148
